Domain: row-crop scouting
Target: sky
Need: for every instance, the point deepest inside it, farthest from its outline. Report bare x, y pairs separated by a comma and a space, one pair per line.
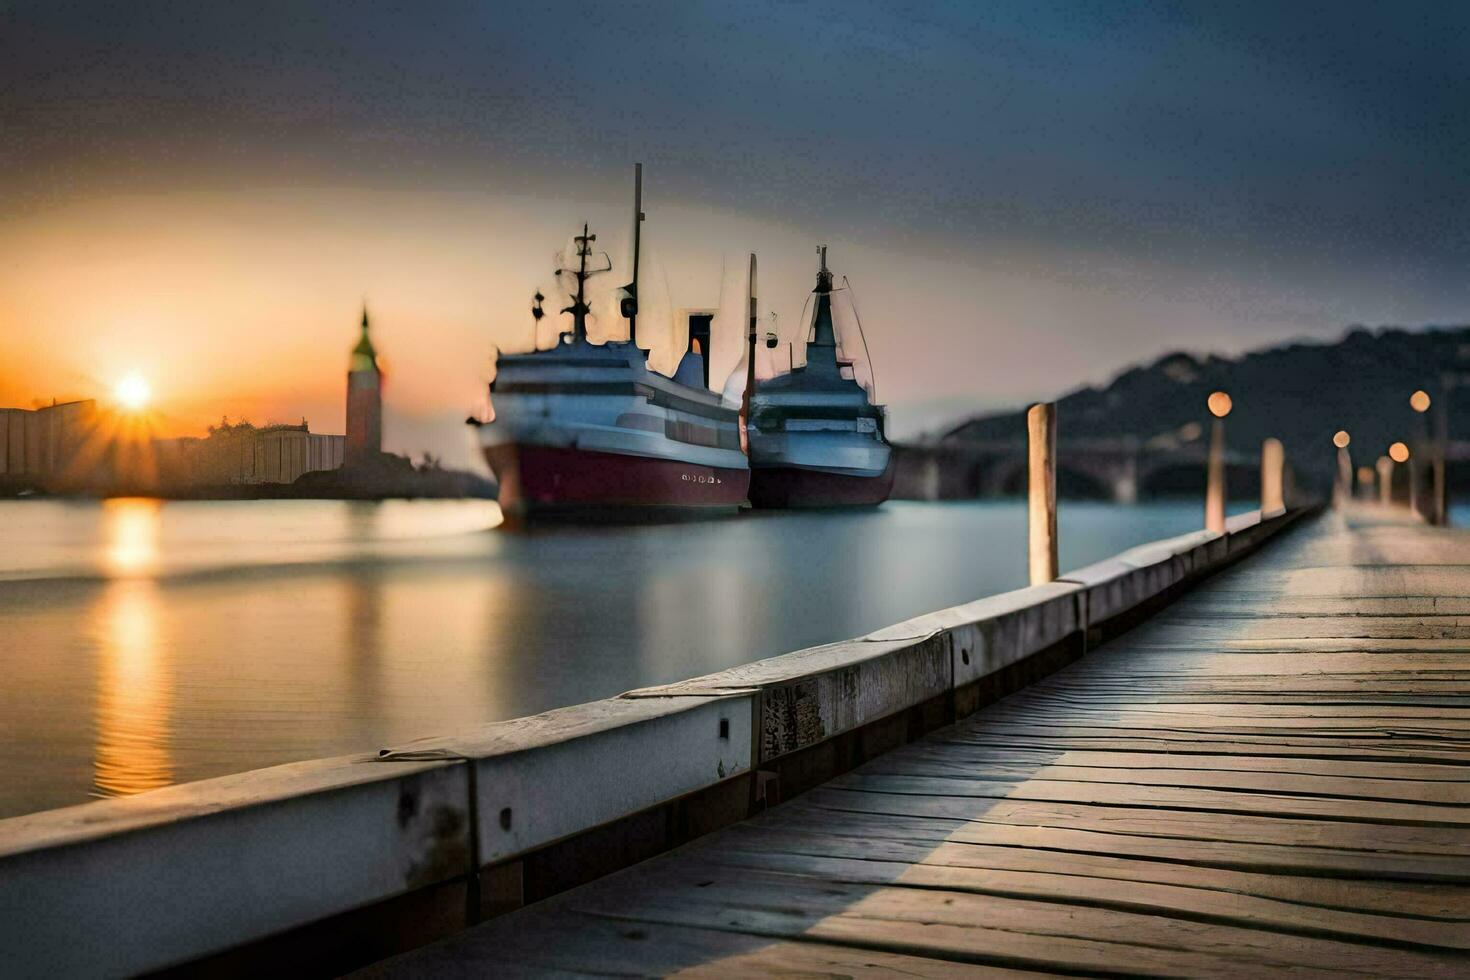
1026, 196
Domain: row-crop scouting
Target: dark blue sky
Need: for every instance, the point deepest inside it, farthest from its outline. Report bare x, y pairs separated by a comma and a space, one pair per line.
1290, 167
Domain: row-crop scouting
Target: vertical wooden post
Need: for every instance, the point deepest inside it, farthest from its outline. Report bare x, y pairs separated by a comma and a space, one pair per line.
1215, 480
1273, 466
1440, 512
1413, 465
1344, 493
1385, 480
1041, 429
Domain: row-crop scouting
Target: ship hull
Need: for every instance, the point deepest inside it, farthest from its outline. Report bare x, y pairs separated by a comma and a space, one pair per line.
796, 487
551, 480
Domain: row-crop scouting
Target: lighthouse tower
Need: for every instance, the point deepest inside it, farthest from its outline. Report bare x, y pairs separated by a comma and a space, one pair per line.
364, 401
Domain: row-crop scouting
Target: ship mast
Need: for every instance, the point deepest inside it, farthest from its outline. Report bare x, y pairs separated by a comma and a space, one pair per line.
579, 308
822, 333
749, 365
630, 299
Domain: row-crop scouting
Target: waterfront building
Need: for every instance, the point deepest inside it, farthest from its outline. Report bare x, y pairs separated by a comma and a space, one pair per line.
42, 447
246, 454
75, 446
364, 400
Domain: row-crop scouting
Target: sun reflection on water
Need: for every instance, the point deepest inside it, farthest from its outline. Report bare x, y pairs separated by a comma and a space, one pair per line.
134, 693
130, 528
134, 688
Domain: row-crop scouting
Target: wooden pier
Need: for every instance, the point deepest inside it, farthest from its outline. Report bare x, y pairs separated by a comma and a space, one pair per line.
1272, 775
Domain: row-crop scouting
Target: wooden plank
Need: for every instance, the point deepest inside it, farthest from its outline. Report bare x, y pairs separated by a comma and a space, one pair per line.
1352, 809
980, 759
1180, 629
1245, 743
570, 943
1202, 904
1254, 856
904, 918
1287, 712
1382, 740
1346, 789
1449, 903
1259, 746
1192, 824
1177, 717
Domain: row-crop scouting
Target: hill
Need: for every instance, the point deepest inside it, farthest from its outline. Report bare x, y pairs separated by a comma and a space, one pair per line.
1300, 393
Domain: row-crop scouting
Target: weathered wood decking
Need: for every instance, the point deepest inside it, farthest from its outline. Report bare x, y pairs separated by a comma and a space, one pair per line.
1273, 775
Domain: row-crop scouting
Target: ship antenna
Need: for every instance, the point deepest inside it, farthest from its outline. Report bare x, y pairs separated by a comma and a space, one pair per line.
824, 278
579, 308
749, 366
630, 301
536, 314
872, 372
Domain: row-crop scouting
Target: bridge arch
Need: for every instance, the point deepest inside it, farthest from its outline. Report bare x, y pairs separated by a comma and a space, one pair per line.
1011, 478
1186, 478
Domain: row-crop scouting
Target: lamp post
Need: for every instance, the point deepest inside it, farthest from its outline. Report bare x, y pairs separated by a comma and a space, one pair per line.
1365, 483
1399, 453
1273, 470
1343, 491
1219, 404
1385, 480
1420, 401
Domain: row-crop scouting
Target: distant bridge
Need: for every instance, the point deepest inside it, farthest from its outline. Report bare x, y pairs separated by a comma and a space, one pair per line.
1118, 469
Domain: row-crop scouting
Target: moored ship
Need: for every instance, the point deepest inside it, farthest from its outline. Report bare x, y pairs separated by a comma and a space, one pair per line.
816, 438
585, 427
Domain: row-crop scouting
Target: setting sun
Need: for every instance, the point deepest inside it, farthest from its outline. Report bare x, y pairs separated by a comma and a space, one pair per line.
133, 392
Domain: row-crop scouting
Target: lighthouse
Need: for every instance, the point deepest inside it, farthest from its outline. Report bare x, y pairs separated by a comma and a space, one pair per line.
364, 401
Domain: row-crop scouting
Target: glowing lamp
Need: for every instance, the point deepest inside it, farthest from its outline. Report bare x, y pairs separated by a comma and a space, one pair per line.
1342, 439
1419, 401
1220, 404
1398, 452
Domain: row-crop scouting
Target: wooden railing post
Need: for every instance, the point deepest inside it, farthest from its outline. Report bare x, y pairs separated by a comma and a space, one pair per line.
1273, 466
1342, 487
1441, 446
1041, 428
1215, 480
1219, 404
1385, 480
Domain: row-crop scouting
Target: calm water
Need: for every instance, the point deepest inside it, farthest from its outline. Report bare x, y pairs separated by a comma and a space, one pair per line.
145, 643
